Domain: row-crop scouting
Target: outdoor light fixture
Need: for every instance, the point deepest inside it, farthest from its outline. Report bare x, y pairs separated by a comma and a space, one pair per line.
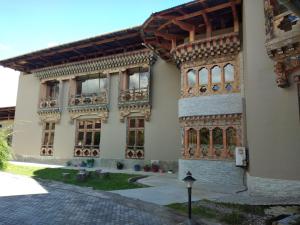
189, 180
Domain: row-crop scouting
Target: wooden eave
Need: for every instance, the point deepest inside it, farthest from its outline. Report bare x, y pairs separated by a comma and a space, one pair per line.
166, 29
108, 44
7, 113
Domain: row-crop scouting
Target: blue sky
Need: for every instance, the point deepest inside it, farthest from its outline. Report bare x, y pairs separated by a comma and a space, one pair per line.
31, 25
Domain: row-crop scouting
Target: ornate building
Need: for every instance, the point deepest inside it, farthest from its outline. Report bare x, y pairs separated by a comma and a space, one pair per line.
186, 88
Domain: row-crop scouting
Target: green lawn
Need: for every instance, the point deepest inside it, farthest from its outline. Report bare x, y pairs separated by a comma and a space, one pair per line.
116, 181
236, 216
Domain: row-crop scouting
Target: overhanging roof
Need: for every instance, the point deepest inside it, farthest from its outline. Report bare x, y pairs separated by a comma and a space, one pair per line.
173, 24
7, 113
107, 44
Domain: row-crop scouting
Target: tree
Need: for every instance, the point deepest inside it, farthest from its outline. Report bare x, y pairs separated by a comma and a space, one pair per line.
4, 149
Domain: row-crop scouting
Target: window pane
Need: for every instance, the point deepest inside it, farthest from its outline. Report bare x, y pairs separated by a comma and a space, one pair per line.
132, 122
103, 83
192, 137
97, 138
88, 138
53, 126
81, 125
203, 76
131, 138
47, 127
191, 78
46, 136
216, 74
80, 138
204, 136
231, 136
140, 123
91, 86
144, 80
140, 138
98, 124
218, 137
134, 81
229, 73
89, 124
51, 139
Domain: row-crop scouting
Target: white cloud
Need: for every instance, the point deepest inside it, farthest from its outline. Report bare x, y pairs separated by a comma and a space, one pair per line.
9, 80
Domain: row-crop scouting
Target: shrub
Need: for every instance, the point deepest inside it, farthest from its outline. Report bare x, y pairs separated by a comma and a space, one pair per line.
4, 149
120, 165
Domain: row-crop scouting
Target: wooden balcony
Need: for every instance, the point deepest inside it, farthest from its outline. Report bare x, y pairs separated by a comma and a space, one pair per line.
217, 46
49, 104
134, 96
283, 43
83, 100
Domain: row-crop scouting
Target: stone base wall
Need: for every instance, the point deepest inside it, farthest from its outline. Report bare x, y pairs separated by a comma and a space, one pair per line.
100, 162
273, 187
213, 173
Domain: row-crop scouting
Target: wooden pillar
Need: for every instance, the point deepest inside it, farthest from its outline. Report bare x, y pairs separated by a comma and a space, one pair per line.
224, 150
223, 77
211, 144
192, 35
186, 143
198, 150
173, 43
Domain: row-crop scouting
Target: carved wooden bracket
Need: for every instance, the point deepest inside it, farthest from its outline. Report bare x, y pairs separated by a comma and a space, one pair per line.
144, 110
49, 116
102, 114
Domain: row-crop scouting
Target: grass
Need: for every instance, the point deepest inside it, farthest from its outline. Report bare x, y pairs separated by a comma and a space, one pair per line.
116, 181
237, 215
251, 209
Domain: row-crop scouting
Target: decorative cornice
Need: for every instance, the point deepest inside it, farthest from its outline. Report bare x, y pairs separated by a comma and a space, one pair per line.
222, 45
215, 120
49, 116
100, 112
99, 64
126, 110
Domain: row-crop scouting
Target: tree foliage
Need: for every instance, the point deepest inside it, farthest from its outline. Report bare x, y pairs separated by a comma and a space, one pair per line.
4, 149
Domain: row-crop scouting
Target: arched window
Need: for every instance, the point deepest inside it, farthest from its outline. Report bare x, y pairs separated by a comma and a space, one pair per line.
192, 141
191, 78
203, 76
216, 78
218, 140
231, 139
229, 73
204, 141
216, 74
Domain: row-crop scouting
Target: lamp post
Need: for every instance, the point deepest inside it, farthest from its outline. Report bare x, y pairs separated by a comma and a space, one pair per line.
189, 180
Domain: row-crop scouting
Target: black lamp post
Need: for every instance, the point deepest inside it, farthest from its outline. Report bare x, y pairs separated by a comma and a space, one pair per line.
189, 180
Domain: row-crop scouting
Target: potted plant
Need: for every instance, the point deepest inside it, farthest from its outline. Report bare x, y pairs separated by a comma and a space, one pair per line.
83, 164
154, 168
69, 163
137, 167
90, 163
120, 165
147, 168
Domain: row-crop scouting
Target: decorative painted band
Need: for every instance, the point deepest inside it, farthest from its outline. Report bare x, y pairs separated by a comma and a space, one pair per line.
99, 64
210, 105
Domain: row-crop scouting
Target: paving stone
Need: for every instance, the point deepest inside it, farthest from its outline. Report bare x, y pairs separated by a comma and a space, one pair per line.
68, 204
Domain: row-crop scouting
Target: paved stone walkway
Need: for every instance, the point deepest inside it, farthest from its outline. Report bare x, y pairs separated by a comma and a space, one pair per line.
63, 204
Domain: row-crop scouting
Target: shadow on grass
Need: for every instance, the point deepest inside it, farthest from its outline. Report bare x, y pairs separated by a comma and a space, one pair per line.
115, 181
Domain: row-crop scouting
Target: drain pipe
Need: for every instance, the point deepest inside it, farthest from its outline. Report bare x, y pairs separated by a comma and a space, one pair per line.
244, 182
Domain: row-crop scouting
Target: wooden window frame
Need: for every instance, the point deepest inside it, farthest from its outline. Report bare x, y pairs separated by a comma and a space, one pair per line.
47, 147
85, 130
137, 152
